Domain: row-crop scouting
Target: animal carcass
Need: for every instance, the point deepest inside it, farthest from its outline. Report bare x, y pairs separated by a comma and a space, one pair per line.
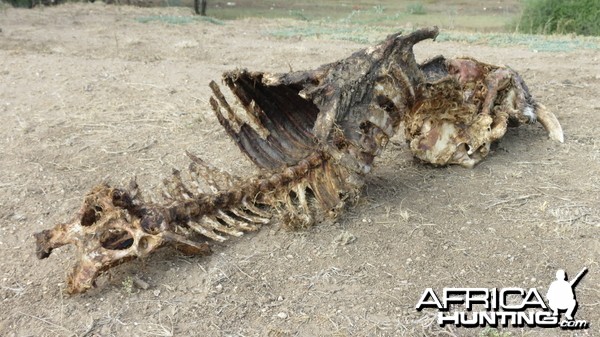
314, 135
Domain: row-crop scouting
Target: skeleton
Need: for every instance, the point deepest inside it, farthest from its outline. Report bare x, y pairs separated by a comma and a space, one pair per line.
314, 135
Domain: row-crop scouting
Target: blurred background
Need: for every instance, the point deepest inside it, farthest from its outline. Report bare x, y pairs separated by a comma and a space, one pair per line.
524, 16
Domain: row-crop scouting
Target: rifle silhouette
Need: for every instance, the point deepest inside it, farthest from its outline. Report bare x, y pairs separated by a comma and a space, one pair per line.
576, 279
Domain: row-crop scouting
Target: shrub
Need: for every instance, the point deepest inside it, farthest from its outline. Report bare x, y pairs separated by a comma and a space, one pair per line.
21, 3
416, 9
560, 16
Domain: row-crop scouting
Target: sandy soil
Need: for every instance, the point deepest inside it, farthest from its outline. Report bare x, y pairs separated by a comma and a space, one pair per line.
89, 94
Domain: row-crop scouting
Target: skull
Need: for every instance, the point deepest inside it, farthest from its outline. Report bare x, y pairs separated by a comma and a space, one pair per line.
111, 227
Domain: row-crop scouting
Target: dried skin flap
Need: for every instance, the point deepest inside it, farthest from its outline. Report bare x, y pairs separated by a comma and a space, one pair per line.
467, 106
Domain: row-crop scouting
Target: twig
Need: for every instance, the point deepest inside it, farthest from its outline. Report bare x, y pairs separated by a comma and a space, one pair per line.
10, 248
537, 163
523, 197
591, 304
419, 226
18, 290
46, 321
98, 126
145, 147
158, 330
147, 84
567, 83
117, 44
243, 272
89, 329
140, 283
573, 219
552, 195
148, 120
449, 333
204, 101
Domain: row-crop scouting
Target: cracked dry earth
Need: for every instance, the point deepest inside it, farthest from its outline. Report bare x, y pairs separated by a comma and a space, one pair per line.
89, 94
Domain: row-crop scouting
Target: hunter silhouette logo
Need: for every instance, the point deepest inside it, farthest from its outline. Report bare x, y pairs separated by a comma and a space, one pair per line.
504, 307
561, 294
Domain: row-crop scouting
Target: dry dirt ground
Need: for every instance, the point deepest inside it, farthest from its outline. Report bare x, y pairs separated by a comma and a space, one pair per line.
88, 93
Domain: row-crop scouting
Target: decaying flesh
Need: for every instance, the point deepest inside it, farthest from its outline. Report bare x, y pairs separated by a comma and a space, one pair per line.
314, 136
468, 105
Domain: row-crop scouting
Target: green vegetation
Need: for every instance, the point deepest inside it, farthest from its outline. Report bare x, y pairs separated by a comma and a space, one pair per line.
348, 33
370, 22
177, 20
560, 16
533, 42
492, 332
489, 26
416, 9
127, 285
377, 33
21, 3
467, 15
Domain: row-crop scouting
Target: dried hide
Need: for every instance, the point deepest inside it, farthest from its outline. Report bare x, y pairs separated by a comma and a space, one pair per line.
466, 107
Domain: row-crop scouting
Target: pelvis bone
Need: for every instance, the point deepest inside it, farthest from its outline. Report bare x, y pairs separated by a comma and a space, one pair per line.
313, 135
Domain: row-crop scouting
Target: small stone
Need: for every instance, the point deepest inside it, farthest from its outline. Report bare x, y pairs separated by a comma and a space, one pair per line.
345, 238
19, 217
141, 284
282, 315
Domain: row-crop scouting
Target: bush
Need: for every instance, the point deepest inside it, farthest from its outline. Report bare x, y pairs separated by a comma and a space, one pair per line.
416, 9
21, 3
560, 16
